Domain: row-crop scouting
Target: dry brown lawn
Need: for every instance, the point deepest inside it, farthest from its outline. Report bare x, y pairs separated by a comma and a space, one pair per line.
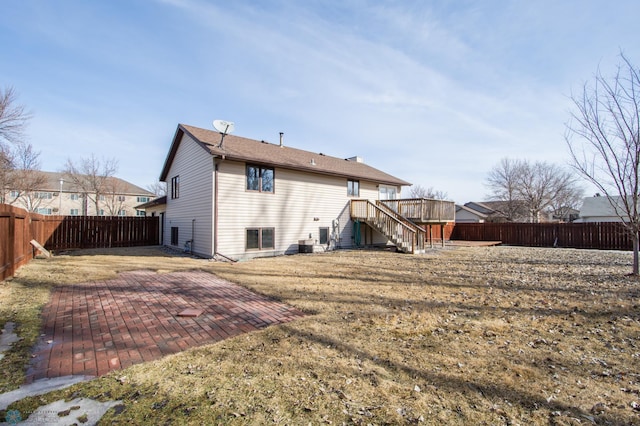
485, 335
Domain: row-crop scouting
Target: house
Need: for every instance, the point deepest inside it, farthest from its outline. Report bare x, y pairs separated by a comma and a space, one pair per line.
600, 209
498, 211
156, 207
466, 214
57, 195
241, 198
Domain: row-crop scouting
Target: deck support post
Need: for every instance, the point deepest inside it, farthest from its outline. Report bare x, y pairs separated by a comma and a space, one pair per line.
430, 236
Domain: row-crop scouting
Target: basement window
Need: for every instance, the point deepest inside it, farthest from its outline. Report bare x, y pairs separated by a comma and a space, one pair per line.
260, 239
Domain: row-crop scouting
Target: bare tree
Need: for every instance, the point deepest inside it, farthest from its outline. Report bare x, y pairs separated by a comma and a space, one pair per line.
418, 191
541, 183
26, 176
158, 188
90, 175
566, 201
13, 117
7, 164
603, 136
114, 198
13, 121
526, 189
503, 181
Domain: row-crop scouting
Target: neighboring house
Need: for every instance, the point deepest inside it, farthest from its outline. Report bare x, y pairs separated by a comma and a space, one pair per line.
565, 215
599, 209
466, 214
502, 211
57, 196
242, 198
156, 207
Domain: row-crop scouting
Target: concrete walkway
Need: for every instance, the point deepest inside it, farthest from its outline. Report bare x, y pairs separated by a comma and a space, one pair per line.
93, 328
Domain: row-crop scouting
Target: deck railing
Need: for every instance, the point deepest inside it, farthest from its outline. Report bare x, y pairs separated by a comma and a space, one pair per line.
424, 210
405, 235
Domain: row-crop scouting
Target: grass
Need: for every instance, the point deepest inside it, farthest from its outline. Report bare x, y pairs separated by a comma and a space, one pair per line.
498, 335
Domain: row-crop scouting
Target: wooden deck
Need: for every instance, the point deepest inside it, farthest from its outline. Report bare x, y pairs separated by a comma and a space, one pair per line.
423, 210
461, 243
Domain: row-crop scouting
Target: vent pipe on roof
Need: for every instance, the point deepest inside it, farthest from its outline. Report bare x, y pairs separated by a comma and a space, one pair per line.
356, 159
281, 142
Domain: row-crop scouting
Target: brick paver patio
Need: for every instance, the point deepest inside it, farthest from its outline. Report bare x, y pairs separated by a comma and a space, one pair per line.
93, 328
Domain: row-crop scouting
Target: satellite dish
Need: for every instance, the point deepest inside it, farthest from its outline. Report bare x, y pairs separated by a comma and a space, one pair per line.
224, 127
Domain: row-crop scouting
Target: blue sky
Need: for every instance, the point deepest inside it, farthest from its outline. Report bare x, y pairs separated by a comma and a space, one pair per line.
433, 92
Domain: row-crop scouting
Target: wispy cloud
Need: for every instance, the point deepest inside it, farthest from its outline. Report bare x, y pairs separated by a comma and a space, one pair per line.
435, 93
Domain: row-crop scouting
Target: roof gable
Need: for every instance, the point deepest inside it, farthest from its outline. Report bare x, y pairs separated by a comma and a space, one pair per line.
602, 207
471, 211
265, 153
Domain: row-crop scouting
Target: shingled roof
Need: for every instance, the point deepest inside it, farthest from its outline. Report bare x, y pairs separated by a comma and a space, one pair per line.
52, 183
265, 153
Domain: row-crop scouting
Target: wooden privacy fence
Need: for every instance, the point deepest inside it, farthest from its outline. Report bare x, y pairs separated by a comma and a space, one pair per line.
68, 232
15, 234
18, 227
598, 235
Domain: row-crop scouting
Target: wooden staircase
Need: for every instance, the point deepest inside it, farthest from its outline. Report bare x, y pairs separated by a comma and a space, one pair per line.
404, 234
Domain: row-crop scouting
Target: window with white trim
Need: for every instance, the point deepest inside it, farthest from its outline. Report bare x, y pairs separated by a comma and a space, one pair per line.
353, 188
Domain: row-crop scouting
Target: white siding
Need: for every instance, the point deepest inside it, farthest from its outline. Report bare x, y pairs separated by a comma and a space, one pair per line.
465, 216
599, 209
193, 210
301, 204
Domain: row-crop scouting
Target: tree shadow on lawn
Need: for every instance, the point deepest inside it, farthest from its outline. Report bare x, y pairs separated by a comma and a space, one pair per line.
589, 297
489, 391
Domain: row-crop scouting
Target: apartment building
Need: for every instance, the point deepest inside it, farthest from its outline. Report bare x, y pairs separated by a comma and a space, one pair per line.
57, 195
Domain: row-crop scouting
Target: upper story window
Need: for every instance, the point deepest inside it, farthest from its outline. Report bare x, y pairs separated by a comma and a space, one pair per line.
143, 199
121, 198
175, 187
75, 197
14, 194
353, 188
260, 178
101, 198
44, 195
388, 192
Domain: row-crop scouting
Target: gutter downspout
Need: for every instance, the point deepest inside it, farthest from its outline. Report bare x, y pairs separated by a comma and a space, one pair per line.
215, 206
